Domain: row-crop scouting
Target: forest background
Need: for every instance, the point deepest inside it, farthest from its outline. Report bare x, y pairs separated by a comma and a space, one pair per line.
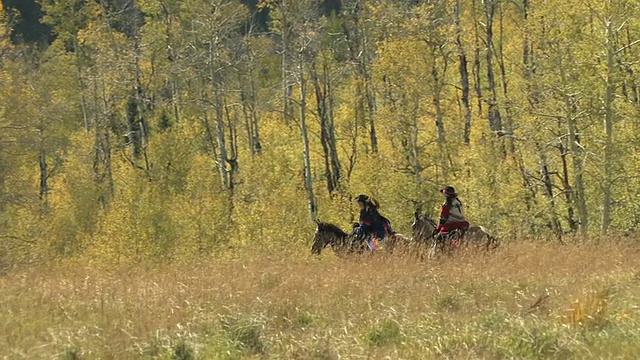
155, 129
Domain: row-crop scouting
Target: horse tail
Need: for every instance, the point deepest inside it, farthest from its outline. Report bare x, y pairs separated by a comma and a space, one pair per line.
492, 241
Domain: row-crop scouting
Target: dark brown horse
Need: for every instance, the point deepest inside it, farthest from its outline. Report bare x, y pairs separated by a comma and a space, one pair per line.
331, 235
423, 228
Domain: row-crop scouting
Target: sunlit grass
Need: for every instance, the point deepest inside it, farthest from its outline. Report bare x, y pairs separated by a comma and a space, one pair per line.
527, 300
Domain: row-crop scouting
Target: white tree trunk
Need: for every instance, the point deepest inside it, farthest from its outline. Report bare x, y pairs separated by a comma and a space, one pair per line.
308, 185
576, 162
608, 130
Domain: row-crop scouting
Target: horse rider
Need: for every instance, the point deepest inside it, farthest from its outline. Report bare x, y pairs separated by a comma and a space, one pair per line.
371, 225
451, 215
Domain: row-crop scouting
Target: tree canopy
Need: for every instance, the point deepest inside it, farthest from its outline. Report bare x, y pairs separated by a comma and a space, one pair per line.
153, 128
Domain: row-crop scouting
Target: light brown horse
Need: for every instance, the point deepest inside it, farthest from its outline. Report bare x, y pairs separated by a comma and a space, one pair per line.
424, 226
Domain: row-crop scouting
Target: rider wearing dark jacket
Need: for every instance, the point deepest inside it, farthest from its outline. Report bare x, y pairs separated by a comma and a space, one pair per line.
371, 223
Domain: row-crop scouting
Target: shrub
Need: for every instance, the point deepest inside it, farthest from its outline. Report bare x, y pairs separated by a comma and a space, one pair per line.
182, 351
386, 333
448, 303
71, 354
533, 342
246, 334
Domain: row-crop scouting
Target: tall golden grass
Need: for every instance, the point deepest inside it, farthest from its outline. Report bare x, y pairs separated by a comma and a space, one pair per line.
526, 300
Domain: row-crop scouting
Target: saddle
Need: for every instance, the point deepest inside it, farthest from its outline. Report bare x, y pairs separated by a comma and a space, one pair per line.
360, 236
452, 237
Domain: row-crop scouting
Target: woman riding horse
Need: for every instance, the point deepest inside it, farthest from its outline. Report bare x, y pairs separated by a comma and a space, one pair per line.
372, 226
452, 226
451, 216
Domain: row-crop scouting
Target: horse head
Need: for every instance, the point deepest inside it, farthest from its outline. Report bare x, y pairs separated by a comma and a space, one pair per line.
327, 234
422, 226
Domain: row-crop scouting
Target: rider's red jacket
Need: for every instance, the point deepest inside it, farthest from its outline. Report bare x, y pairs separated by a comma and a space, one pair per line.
452, 219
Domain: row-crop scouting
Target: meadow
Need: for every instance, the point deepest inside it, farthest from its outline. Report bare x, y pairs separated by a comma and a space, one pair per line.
526, 300
156, 156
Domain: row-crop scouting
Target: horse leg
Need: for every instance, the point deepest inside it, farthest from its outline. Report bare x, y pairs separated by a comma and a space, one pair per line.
438, 247
494, 242
391, 243
433, 250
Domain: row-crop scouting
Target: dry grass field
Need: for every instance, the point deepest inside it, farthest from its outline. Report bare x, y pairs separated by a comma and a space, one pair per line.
526, 300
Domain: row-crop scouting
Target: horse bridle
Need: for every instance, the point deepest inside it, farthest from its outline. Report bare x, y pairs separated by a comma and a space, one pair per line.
421, 221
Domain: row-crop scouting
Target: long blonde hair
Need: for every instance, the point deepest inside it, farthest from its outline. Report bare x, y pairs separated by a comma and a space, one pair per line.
373, 202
